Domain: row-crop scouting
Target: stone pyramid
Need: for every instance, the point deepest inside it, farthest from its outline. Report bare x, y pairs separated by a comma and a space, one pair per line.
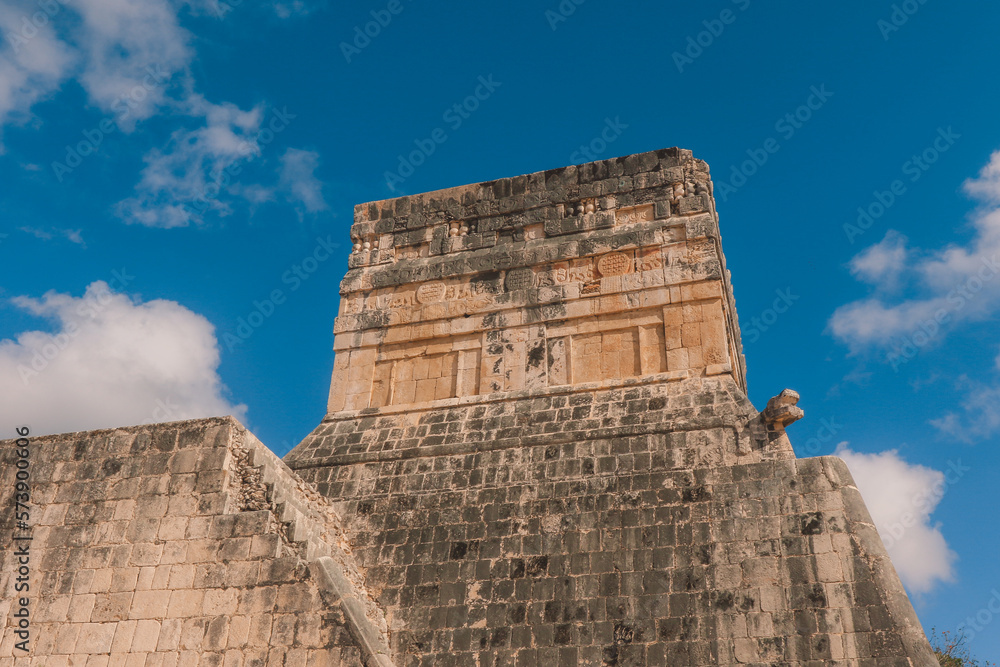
538, 451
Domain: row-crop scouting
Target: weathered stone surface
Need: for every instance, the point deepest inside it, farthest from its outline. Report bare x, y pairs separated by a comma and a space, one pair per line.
539, 439
600, 273
201, 559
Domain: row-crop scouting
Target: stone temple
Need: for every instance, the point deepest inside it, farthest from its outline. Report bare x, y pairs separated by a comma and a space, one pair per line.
538, 450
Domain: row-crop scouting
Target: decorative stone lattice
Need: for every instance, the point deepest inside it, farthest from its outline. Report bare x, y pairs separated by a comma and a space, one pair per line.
614, 264
519, 279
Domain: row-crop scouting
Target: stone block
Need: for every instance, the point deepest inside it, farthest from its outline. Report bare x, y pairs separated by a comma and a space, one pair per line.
146, 636
95, 638
184, 603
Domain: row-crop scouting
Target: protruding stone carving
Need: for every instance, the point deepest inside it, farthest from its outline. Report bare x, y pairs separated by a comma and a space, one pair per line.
782, 409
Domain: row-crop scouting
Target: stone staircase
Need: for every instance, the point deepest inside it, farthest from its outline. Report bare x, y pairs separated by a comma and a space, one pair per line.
310, 529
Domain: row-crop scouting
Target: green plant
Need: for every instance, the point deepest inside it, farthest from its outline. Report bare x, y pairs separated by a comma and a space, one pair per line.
951, 650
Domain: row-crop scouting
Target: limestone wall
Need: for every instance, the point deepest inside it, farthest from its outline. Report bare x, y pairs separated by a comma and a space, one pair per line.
174, 545
589, 274
699, 422
602, 553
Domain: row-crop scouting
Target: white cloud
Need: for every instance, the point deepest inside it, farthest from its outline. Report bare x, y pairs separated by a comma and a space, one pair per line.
986, 187
72, 235
184, 182
37, 233
111, 361
901, 498
298, 179
133, 59
33, 60
870, 322
947, 286
122, 52
283, 10
883, 262
130, 49
254, 193
200, 171
294, 8
980, 414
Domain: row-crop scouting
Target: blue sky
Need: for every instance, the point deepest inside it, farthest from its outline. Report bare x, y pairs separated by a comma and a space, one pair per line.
177, 182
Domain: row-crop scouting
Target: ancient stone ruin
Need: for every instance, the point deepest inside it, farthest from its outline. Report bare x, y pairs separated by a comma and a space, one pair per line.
538, 451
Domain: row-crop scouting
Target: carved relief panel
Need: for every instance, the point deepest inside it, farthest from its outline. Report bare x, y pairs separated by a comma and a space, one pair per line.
614, 354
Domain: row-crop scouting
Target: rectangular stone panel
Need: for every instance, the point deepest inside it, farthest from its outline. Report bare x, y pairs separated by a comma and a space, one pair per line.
606, 355
415, 380
422, 371
559, 360
583, 223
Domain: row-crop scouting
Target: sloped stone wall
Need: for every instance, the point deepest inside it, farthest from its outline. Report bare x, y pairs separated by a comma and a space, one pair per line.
600, 553
163, 546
